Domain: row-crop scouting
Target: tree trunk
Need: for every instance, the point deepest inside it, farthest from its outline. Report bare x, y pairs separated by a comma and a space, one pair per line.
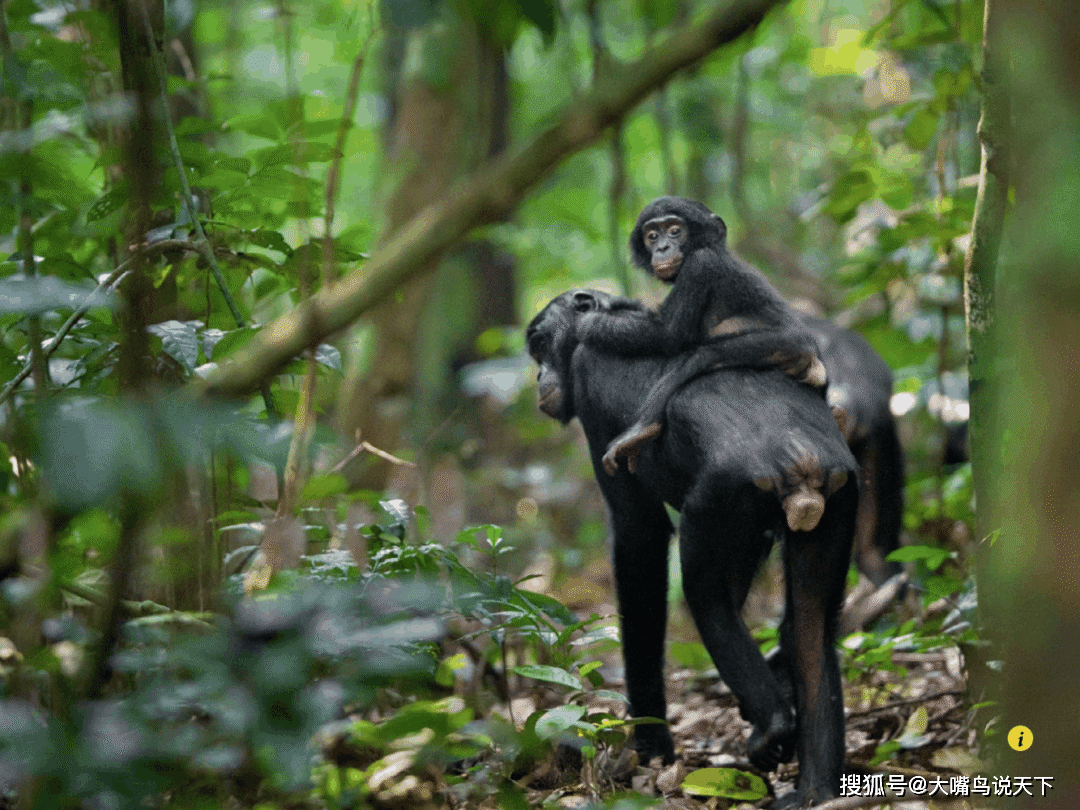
1029, 591
450, 116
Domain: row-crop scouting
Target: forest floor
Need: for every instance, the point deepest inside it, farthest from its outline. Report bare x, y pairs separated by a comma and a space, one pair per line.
913, 735
919, 719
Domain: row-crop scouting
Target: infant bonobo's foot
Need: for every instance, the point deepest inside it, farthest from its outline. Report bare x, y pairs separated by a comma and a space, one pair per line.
806, 367
770, 746
628, 445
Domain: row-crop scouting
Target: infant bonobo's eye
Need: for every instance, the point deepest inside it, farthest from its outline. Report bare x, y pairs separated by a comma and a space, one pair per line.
652, 236
674, 230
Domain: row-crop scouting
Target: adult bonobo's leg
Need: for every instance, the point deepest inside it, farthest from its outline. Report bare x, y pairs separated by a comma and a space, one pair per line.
721, 542
816, 564
641, 533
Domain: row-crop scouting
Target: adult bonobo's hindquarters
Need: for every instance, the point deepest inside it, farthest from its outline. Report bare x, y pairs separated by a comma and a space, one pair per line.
727, 432
861, 382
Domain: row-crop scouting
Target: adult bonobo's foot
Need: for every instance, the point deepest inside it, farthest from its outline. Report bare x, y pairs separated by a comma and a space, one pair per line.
628, 445
774, 744
654, 740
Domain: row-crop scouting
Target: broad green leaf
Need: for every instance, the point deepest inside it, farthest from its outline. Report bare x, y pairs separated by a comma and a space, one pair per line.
728, 783
541, 672
258, 124
849, 192
319, 487
559, 720
179, 340
920, 129
932, 555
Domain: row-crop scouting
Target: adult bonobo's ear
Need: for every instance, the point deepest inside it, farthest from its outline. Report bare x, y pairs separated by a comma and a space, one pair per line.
584, 301
719, 227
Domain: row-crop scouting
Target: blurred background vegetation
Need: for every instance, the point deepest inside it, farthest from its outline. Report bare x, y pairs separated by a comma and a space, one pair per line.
343, 583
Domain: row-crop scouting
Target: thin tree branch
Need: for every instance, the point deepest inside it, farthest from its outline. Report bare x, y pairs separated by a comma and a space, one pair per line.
365, 447
334, 174
206, 251
490, 194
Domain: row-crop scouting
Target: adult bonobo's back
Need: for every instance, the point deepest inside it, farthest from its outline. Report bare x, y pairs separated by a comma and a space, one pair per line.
730, 436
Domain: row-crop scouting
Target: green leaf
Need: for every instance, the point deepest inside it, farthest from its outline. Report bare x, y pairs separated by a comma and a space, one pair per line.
920, 129
319, 487
932, 555
849, 192
608, 694
179, 340
259, 124
108, 202
558, 721
728, 783
691, 654
557, 675
233, 340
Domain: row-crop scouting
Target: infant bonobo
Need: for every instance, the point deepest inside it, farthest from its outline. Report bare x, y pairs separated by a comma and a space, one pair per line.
719, 306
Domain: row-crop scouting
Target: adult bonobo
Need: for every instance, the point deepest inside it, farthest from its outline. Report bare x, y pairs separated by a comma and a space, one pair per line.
730, 436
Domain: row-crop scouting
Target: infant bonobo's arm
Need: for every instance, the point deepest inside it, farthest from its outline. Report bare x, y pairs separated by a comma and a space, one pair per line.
792, 350
636, 332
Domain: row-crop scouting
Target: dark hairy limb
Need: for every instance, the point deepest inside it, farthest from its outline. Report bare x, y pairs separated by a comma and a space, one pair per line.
792, 351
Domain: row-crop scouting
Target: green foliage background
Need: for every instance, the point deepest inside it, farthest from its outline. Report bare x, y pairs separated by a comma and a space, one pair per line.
838, 142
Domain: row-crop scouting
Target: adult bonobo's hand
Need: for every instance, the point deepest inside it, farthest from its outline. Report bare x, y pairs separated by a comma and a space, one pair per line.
724, 433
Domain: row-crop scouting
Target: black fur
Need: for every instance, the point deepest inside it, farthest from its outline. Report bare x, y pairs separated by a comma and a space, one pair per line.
861, 383
724, 431
711, 286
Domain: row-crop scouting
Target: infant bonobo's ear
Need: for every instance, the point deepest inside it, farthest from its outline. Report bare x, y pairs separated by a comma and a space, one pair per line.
585, 301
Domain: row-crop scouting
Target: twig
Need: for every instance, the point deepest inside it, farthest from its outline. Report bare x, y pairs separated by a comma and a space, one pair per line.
364, 447
906, 702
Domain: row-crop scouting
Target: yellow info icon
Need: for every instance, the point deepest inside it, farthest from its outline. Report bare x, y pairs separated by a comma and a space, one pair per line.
1020, 738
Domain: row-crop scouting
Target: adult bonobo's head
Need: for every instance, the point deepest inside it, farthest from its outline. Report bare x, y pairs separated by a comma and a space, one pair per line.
668, 230
551, 338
